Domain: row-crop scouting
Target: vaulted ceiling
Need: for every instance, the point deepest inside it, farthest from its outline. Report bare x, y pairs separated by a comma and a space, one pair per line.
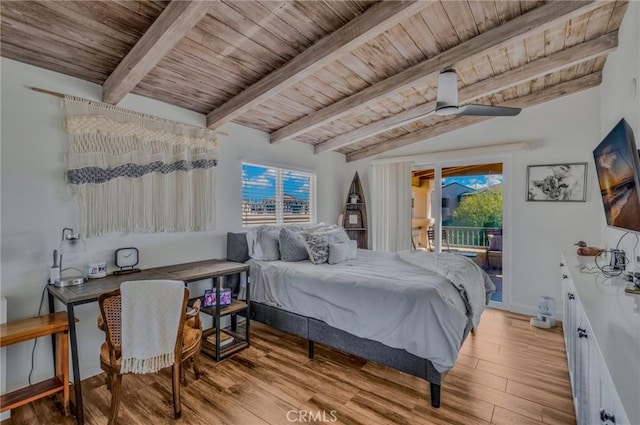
348, 76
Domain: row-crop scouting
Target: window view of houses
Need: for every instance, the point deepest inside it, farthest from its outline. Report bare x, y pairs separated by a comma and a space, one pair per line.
471, 215
276, 195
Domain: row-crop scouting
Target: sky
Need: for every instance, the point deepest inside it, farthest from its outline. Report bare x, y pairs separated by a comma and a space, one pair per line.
475, 182
260, 183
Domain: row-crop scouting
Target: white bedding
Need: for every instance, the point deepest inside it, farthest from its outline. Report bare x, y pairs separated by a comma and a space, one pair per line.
376, 296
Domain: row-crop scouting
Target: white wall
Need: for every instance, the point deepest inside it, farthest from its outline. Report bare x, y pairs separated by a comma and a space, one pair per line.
36, 205
563, 130
619, 99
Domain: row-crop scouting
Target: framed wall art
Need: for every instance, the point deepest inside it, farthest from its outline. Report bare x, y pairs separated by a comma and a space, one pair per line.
557, 182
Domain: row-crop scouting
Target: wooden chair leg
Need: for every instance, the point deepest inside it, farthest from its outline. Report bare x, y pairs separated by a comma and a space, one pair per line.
107, 381
183, 375
116, 380
196, 365
177, 410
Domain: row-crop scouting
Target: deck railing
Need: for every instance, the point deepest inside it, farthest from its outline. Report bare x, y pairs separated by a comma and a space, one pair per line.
467, 237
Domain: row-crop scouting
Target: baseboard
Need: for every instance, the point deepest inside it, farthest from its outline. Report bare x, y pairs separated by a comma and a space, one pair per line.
88, 370
531, 310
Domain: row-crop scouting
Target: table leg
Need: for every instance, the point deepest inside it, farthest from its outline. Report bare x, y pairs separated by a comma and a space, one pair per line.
248, 321
62, 366
77, 387
52, 309
234, 322
217, 319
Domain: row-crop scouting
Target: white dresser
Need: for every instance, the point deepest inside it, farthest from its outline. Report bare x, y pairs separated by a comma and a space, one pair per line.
3, 359
602, 338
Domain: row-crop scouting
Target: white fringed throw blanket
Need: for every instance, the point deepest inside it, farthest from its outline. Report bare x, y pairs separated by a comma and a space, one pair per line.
132, 172
150, 318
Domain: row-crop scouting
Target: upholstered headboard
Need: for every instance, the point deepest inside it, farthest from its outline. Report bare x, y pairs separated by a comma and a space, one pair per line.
238, 251
237, 247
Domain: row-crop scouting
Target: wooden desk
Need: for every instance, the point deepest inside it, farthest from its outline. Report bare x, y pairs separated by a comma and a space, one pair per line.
90, 292
23, 330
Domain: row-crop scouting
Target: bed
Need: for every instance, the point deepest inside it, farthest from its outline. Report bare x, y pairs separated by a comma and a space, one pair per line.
398, 309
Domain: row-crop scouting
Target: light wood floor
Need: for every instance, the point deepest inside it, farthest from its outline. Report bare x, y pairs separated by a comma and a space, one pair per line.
507, 373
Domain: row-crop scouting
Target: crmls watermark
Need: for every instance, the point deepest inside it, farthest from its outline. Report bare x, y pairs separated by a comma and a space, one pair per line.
311, 416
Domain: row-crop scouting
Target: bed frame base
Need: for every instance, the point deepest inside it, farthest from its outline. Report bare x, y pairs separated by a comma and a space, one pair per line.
314, 330
311, 351
434, 389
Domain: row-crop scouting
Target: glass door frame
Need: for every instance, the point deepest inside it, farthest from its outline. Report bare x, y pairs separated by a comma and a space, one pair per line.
507, 185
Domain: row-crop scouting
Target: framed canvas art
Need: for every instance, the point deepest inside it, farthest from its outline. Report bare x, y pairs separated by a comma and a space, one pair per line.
557, 182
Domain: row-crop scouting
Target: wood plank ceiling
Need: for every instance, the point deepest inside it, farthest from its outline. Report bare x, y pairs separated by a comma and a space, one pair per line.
348, 76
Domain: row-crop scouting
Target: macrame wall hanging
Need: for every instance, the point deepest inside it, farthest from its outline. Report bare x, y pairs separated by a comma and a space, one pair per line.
132, 172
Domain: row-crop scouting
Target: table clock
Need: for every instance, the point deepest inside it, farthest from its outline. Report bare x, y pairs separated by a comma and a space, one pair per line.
127, 259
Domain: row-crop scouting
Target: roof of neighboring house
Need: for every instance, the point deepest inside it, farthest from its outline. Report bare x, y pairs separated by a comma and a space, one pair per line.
470, 189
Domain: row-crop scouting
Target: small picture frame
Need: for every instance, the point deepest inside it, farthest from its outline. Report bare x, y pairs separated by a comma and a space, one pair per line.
557, 182
210, 297
353, 219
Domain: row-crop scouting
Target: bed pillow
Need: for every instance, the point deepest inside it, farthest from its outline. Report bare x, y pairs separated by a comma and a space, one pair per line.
333, 235
342, 251
317, 247
266, 246
237, 248
292, 247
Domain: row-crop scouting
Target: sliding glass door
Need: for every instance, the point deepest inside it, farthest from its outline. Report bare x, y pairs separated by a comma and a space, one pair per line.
460, 208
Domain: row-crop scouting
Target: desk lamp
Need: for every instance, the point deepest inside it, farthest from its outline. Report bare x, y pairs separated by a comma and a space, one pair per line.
70, 243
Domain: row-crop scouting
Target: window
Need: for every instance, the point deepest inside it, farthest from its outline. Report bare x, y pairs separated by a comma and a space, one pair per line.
273, 195
445, 202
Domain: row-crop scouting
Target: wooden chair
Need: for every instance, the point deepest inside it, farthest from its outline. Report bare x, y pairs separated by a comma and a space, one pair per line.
431, 237
494, 246
187, 348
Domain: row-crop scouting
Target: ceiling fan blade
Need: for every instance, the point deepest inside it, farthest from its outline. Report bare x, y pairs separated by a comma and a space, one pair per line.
488, 111
417, 117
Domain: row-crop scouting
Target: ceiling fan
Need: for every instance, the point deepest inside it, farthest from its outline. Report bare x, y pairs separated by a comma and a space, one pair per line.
447, 101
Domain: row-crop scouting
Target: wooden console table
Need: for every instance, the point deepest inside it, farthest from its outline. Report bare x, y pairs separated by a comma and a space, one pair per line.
90, 292
23, 330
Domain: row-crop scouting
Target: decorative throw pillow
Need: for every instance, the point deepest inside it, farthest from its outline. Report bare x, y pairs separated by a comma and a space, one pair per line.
342, 251
317, 248
495, 242
292, 247
237, 248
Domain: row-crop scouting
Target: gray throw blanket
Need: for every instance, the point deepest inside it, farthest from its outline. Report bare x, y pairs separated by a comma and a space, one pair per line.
472, 282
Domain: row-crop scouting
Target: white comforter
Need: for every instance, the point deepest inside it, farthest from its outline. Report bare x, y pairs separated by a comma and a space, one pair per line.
377, 296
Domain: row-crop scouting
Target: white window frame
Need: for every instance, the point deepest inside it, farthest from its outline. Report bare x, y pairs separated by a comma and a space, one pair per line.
281, 169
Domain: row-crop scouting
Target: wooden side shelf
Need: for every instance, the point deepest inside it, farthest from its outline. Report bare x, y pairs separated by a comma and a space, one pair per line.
35, 327
235, 306
354, 218
31, 393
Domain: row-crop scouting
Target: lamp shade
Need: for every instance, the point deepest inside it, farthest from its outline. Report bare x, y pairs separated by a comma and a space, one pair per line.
71, 243
72, 247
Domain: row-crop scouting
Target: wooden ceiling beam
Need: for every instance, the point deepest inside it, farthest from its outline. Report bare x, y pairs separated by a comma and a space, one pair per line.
376, 20
455, 123
165, 32
538, 68
531, 22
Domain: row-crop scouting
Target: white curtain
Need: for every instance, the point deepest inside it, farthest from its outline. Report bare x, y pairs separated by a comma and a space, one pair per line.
391, 206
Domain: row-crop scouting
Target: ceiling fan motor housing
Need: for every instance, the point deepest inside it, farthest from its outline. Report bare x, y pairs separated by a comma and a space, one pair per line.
447, 91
